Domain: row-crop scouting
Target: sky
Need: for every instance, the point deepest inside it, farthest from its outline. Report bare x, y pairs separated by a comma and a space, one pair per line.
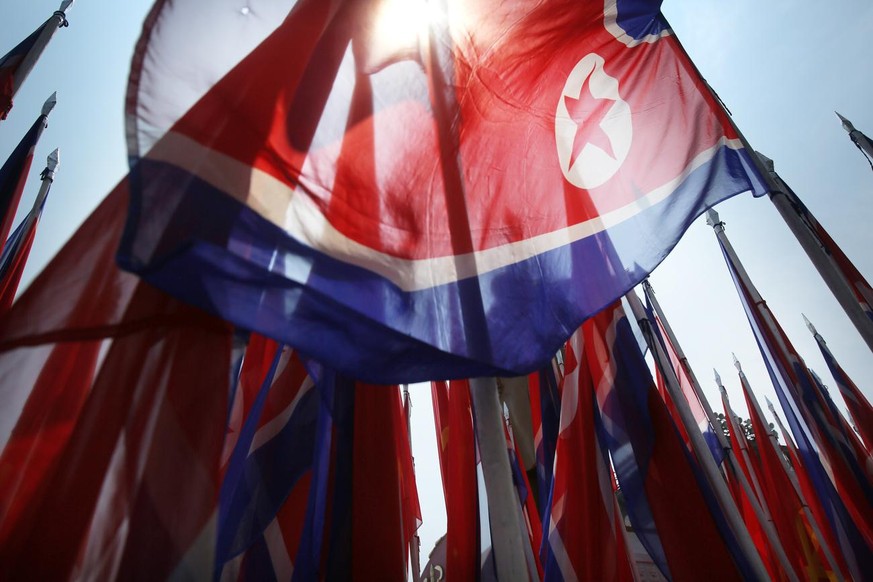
782, 67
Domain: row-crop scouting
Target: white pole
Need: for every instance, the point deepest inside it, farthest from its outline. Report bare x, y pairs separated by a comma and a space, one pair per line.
503, 507
701, 450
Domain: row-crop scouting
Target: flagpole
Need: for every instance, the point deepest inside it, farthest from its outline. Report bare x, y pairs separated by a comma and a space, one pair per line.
858, 138
699, 446
757, 507
503, 508
833, 277
29, 60
415, 542
48, 177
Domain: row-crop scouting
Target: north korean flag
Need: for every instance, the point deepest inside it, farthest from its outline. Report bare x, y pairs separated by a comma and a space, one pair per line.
414, 190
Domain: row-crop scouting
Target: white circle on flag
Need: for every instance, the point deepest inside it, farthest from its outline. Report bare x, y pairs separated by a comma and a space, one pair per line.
592, 165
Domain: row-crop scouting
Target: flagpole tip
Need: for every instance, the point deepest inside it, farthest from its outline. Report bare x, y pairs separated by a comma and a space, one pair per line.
717, 377
51, 165
50, 103
847, 125
737, 364
65, 5
809, 325
712, 218
54, 159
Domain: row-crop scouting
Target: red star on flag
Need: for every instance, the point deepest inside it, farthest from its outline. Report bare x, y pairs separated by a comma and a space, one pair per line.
588, 112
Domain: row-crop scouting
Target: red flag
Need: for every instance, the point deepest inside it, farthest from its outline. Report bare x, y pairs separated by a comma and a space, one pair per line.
385, 505
810, 495
639, 431
457, 445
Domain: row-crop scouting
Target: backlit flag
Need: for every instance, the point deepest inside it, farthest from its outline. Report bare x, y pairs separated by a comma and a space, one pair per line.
391, 185
858, 405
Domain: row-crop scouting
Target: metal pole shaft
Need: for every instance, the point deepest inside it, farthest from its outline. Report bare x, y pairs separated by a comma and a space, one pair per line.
737, 471
701, 450
55, 21
503, 507
832, 277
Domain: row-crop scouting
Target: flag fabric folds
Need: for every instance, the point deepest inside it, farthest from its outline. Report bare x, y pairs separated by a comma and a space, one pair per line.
126, 471
369, 202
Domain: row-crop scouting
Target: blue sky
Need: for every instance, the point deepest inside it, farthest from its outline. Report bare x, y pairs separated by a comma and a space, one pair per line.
781, 66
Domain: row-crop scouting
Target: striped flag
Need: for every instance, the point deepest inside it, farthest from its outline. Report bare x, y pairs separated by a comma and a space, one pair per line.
272, 456
583, 540
858, 405
369, 201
